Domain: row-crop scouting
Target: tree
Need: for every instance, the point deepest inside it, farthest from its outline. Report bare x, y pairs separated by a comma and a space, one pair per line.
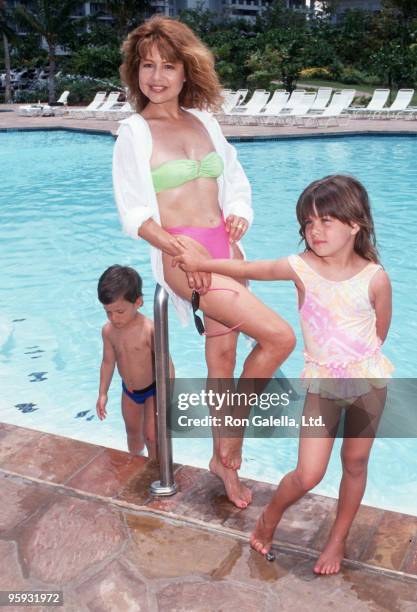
200, 20
51, 19
7, 35
284, 63
127, 14
406, 9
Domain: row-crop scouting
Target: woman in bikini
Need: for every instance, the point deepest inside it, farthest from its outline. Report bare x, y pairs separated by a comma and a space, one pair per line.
178, 185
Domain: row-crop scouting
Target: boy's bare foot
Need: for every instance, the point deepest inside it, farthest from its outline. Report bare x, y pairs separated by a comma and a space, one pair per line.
231, 452
263, 534
331, 557
237, 492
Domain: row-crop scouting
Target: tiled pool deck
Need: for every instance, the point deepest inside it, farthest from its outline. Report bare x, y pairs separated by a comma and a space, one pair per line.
79, 517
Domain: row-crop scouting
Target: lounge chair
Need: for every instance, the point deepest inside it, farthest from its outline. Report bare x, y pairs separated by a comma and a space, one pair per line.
44, 110
379, 97
253, 101
274, 106
340, 101
252, 108
31, 110
400, 104
233, 99
94, 105
120, 110
322, 99
112, 99
301, 106
62, 100
294, 98
242, 93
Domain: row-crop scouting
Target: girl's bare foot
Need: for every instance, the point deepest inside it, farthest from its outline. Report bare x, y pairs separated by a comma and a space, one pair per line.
263, 534
237, 492
231, 452
331, 557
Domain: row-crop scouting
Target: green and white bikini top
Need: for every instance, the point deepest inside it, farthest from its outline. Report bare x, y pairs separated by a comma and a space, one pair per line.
179, 171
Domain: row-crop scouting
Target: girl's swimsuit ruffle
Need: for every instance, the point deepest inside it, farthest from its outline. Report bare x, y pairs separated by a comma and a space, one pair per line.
347, 380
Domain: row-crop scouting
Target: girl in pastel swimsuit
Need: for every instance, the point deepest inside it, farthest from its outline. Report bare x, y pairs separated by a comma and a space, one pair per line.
345, 312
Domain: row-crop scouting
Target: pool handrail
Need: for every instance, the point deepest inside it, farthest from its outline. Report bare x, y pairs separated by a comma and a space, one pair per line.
166, 485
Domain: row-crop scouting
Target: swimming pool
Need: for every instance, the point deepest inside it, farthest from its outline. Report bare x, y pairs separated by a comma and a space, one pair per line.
60, 231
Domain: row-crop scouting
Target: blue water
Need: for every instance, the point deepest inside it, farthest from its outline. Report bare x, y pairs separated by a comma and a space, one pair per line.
59, 231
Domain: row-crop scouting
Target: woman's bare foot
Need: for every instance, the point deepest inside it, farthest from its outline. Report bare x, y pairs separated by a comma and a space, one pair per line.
231, 452
237, 492
331, 557
263, 534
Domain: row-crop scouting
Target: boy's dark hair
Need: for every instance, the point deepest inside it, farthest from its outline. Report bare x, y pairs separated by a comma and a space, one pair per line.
119, 282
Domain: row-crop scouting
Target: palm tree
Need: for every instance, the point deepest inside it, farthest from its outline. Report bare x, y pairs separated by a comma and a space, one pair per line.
51, 19
7, 34
127, 14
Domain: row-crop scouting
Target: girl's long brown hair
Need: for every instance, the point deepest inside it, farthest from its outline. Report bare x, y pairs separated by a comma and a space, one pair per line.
344, 198
175, 42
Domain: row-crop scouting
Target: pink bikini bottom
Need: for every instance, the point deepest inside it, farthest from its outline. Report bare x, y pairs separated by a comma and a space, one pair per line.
214, 239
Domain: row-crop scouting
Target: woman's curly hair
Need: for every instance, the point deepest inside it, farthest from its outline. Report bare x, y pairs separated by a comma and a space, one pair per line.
175, 42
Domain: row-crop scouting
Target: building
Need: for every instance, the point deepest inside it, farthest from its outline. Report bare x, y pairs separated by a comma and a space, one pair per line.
341, 6
362, 5
235, 9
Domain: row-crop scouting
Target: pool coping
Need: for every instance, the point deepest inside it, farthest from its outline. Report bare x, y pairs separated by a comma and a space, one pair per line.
381, 541
230, 138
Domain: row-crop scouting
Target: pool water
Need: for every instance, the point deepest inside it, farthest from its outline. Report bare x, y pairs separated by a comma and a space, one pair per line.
59, 231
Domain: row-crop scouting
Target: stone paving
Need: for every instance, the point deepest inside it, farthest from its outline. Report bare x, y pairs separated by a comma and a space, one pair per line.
80, 518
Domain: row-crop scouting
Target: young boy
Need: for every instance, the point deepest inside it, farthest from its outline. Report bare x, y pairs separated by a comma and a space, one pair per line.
128, 341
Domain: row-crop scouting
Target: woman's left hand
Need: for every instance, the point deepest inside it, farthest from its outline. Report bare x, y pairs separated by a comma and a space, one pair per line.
236, 227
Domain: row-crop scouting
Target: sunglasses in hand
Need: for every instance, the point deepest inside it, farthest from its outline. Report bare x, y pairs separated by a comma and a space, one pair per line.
195, 303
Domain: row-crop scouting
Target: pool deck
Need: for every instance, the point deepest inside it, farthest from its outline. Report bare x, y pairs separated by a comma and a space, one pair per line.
79, 518
11, 120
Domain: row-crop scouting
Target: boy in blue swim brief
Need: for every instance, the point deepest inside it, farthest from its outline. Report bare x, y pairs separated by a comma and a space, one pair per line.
128, 342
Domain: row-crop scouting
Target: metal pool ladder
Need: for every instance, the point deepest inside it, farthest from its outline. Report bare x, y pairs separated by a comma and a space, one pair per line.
166, 485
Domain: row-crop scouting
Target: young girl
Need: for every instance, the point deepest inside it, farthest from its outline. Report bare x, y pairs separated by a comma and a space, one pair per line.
344, 298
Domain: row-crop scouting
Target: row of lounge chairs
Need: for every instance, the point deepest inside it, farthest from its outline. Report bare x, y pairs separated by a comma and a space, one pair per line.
303, 108
45, 110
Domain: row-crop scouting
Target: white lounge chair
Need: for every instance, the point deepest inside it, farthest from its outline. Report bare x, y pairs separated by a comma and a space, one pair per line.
94, 105
338, 104
62, 100
242, 95
233, 99
301, 107
379, 98
112, 100
121, 110
274, 106
253, 101
294, 98
322, 99
400, 104
252, 108
31, 110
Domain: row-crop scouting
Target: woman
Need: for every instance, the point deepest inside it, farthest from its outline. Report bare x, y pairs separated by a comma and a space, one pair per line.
179, 186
